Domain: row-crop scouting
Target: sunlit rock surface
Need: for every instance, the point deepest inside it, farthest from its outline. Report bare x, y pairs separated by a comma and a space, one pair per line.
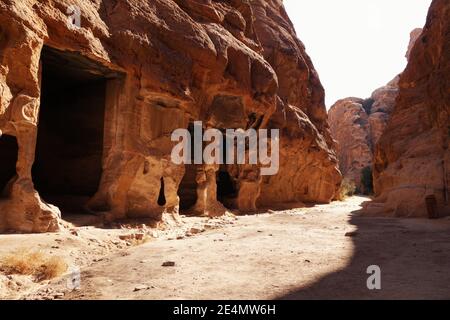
94, 108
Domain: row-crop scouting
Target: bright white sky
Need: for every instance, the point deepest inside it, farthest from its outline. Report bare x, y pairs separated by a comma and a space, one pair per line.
356, 46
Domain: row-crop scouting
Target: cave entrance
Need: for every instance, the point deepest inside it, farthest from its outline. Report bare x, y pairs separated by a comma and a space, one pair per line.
69, 149
226, 187
8, 159
187, 191
162, 196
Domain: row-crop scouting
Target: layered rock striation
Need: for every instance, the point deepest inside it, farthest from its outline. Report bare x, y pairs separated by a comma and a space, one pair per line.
91, 92
357, 125
412, 157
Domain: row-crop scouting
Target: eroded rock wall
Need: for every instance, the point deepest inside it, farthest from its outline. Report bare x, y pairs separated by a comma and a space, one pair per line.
351, 129
357, 125
230, 64
308, 162
412, 158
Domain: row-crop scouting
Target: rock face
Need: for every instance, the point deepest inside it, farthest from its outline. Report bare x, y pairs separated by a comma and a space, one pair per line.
90, 95
308, 163
350, 127
415, 34
412, 158
357, 125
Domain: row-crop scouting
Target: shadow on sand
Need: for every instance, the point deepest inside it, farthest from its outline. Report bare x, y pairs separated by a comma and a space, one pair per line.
413, 254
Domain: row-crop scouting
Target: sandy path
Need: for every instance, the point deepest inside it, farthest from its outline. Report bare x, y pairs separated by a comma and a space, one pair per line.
298, 254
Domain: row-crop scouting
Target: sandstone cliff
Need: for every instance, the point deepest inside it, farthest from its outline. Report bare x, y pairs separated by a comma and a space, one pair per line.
412, 158
93, 107
357, 125
350, 127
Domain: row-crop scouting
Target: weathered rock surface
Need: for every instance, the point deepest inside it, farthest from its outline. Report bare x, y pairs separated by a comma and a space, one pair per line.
161, 64
357, 125
350, 127
308, 164
412, 158
414, 35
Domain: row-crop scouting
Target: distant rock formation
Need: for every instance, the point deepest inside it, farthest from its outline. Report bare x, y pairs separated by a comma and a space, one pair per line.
357, 125
412, 157
349, 123
415, 34
93, 107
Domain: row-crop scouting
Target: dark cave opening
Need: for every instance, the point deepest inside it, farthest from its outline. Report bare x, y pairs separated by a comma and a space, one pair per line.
188, 188
226, 187
162, 195
69, 148
187, 191
8, 160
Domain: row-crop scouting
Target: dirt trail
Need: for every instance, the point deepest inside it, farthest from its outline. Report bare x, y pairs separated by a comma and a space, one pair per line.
296, 254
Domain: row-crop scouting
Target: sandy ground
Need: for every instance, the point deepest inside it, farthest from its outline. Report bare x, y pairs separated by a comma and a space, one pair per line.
296, 254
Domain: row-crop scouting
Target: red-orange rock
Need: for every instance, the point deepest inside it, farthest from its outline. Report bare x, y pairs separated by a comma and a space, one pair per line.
358, 124
414, 35
412, 158
158, 65
351, 129
308, 163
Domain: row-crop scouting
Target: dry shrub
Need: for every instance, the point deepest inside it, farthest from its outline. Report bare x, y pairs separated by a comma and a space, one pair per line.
140, 241
348, 188
34, 263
